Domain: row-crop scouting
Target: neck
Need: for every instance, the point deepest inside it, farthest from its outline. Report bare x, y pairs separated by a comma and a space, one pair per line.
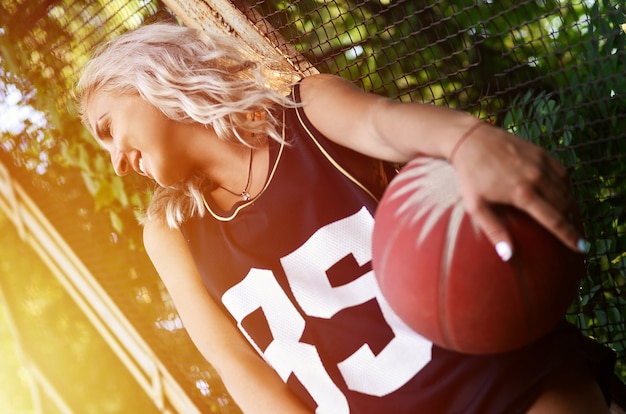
245, 193
234, 175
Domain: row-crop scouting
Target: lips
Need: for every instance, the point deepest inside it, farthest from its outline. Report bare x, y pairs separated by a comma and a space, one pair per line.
139, 166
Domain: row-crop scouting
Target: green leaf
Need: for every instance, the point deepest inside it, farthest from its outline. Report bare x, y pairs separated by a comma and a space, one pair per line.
116, 222
118, 191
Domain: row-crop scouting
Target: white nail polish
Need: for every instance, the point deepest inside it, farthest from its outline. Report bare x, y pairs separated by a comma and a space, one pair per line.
504, 251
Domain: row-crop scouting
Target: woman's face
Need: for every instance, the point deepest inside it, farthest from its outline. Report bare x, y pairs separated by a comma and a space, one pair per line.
139, 137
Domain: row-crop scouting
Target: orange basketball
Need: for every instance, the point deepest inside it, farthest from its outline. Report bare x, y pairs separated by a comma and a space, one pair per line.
443, 277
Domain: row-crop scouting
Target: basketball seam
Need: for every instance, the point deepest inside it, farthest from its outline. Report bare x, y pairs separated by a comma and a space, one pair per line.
452, 230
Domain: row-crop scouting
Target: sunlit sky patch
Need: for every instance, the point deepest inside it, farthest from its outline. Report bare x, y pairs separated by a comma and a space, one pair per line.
13, 115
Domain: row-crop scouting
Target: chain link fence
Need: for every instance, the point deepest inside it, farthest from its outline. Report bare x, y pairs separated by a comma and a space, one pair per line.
550, 71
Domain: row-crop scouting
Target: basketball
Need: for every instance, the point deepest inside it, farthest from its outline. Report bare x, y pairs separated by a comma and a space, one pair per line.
443, 278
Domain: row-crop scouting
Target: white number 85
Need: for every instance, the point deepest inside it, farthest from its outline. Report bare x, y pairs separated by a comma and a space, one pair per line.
363, 371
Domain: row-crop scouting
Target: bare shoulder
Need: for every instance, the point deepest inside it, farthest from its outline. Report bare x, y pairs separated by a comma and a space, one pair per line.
345, 114
321, 78
168, 251
325, 85
157, 233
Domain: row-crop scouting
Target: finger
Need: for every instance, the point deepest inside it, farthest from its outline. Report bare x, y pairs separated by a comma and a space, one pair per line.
562, 224
557, 187
560, 198
495, 230
547, 197
564, 203
558, 168
546, 178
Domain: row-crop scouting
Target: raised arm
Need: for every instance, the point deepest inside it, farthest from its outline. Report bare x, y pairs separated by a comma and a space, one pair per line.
251, 382
493, 166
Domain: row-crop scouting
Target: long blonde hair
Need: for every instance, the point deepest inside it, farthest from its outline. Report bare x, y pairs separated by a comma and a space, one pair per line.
190, 76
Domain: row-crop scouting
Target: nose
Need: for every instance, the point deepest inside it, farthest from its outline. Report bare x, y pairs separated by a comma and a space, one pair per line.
120, 162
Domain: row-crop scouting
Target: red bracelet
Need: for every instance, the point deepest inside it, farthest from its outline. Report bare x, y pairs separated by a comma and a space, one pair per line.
463, 138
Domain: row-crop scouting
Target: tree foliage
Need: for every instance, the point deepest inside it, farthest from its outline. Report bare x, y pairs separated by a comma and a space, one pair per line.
583, 124
465, 54
42, 52
58, 338
43, 45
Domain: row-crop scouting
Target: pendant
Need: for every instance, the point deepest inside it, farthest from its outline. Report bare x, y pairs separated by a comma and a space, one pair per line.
245, 195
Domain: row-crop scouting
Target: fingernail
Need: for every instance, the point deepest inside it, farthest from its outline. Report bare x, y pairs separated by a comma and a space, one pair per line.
583, 245
504, 251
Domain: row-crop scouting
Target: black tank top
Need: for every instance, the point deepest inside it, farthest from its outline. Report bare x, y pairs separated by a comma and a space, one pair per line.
292, 268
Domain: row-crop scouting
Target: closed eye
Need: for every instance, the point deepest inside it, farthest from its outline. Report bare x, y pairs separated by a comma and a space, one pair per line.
103, 130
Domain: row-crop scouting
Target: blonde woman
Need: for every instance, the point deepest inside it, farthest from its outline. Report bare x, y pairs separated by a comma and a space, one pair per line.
261, 220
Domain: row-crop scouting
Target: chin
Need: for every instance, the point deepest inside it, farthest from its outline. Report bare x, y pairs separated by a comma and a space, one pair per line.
169, 183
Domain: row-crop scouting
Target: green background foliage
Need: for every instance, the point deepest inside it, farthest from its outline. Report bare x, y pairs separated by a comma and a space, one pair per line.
582, 124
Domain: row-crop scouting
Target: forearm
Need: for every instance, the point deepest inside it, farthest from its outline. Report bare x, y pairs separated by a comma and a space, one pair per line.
439, 129
252, 383
256, 387
380, 127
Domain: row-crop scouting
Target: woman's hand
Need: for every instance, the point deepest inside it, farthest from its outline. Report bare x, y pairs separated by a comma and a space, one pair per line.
495, 167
